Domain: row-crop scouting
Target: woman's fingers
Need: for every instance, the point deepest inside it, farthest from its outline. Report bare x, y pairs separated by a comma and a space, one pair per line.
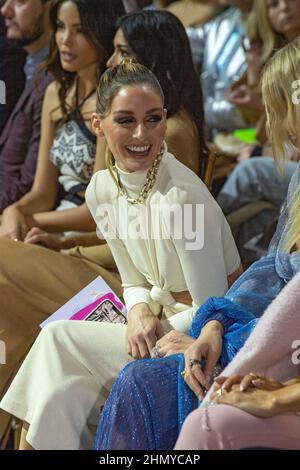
230, 381
219, 381
265, 383
34, 239
246, 382
194, 384
258, 381
32, 234
135, 352
194, 376
149, 342
200, 376
139, 346
211, 361
143, 350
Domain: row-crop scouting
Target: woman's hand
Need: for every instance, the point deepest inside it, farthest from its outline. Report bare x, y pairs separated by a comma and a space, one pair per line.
207, 347
143, 331
36, 236
14, 224
173, 342
254, 401
246, 381
245, 97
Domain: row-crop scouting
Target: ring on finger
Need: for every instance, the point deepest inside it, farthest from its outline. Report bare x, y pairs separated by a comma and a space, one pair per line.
155, 352
193, 362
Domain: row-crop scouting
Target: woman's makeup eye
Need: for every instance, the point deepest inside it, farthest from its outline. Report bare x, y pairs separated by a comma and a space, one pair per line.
154, 118
124, 121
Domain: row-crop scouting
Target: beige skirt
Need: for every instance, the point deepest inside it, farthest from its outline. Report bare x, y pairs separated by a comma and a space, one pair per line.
34, 283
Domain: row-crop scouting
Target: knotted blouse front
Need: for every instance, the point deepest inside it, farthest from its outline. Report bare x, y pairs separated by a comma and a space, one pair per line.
177, 240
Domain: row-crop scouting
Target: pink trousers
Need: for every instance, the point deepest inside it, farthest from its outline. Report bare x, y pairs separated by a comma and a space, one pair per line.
223, 427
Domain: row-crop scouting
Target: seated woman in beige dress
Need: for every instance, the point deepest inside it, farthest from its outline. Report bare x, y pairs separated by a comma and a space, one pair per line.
173, 248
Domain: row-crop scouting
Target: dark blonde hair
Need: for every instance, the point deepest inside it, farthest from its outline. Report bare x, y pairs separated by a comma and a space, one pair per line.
283, 116
128, 73
259, 29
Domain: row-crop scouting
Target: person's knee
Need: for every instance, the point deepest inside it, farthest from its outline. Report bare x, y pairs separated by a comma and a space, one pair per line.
133, 371
248, 172
54, 331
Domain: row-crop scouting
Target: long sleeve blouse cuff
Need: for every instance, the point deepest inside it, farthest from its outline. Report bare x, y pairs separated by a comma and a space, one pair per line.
225, 321
136, 295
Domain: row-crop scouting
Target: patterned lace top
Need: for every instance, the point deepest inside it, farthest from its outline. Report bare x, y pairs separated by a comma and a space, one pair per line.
73, 153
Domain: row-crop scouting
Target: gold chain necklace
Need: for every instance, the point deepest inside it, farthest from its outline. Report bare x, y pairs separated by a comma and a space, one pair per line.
147, 186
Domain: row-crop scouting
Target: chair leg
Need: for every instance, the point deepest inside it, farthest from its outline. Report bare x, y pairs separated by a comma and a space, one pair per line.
17, 429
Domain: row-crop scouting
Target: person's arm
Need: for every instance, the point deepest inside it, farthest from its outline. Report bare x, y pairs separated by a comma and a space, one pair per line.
78, 219
286, 399
36, 236
23, 150
17, 218
208, 254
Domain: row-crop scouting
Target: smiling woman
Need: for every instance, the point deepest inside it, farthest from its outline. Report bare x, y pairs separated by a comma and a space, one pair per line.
135, 125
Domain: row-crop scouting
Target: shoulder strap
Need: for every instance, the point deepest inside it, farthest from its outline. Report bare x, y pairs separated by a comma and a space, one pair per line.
77, 104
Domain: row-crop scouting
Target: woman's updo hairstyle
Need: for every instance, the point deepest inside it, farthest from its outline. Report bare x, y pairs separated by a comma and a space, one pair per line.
128, 73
